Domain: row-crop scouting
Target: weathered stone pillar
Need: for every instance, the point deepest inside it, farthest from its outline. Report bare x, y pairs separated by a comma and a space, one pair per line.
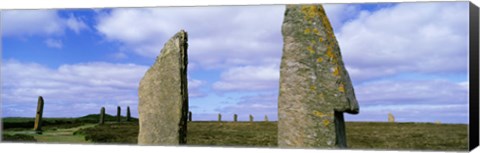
235, 117
315, 88
391, 118
266, 118
102, 116
251, 118
219, 117
38, 117
189, 116
129, 117
119, 117
163, 96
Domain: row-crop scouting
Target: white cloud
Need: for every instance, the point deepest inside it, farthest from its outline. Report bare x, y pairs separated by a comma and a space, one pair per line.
83, 86
75, 24
439, 92
407, 37
249, 78
53, 43
21, 23
218, 36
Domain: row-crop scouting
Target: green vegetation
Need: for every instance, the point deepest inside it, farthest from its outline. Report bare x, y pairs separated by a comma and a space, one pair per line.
360, 135
18, 137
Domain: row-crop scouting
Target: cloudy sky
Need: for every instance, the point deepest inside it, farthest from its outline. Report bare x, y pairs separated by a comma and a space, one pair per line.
408, 59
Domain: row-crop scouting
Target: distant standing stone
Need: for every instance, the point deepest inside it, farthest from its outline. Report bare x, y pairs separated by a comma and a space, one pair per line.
102, 116
219, 117
38, 117
391, 118
266, 118
128, 114
251, 118
315, 88
235, 117
163, 96
190, 116
118, 114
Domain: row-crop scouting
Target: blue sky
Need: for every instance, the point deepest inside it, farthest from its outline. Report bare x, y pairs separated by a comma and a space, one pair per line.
408, 59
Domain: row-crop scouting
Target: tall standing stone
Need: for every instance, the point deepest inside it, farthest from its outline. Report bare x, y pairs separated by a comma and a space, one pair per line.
129, 117
315, 88
38, 117
102, 116
163, 96
219, 117
235, 117
189, 116
251, 118
391, 118
266, 118
118, 114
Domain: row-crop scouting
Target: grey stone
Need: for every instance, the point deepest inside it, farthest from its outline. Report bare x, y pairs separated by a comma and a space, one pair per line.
163, 96
266, 118
219, 117
235, 117
102, 116
129, 117
38, 117
315, 88
119, 114
251, 118
391, 118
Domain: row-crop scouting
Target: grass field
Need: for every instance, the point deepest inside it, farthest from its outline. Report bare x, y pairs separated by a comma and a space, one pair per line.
360, 135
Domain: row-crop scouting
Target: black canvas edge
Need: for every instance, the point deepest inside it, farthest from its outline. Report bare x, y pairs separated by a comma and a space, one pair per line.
473, 132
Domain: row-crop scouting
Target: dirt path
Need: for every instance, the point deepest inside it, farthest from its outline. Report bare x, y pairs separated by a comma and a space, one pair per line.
57, 136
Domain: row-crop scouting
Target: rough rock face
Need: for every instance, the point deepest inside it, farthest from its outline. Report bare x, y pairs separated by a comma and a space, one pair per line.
315, 88
102, 115
163, 96
391, 118
38, 117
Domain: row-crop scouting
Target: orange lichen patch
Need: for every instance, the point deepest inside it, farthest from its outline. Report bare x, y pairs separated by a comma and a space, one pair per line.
307, 31
341, 88
318, 113
326, 122
310, 49
330, 53
336, 72
315, 31
319, 59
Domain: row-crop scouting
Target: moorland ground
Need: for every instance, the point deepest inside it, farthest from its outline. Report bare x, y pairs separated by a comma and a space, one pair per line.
360, 135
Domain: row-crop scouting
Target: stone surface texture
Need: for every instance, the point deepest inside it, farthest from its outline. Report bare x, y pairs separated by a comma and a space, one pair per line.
128, 114
315, 88
163, 96
38, 117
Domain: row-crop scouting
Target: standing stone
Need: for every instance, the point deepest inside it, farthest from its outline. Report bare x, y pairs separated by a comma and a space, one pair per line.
163, 96
102, 116
391, 118
251, 118
315, 88
235, 117
38, 117
129, 117
118, 114
190, 116
219, 117
266, 118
